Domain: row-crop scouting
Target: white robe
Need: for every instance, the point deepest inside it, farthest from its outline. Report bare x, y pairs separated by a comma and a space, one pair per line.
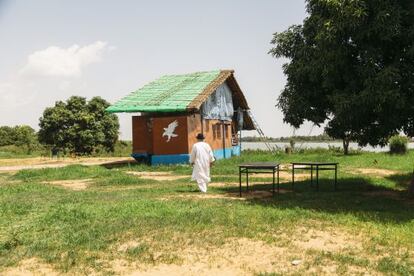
201, 156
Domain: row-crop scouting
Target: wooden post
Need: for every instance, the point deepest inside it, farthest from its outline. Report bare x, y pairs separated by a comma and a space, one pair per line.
202, 123
240, 142
223, 135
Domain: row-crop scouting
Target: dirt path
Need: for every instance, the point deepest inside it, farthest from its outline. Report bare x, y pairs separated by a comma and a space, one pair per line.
13, 165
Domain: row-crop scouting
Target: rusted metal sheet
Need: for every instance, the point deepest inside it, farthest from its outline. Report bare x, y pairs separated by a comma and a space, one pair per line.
212, 130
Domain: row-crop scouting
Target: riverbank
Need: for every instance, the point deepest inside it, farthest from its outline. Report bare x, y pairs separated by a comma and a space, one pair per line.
315, 145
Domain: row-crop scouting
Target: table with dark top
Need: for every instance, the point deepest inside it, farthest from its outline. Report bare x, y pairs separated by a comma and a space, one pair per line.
315, 166
259, 167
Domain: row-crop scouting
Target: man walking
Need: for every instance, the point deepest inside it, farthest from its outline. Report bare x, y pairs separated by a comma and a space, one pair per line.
201, 158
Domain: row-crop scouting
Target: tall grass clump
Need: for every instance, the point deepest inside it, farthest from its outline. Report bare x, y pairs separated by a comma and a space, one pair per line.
398, 144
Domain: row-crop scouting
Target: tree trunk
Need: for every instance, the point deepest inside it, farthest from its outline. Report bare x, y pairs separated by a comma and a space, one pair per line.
345, 143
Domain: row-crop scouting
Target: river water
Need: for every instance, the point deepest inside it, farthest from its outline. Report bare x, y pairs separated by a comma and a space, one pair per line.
314, 145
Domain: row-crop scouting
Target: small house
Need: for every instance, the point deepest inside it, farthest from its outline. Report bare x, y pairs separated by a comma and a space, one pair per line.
173, 109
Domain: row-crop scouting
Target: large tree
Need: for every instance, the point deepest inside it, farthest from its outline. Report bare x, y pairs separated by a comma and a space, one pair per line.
351, 66
79, 126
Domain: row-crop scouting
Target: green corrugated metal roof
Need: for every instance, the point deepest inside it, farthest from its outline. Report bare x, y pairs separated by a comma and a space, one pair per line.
171, 93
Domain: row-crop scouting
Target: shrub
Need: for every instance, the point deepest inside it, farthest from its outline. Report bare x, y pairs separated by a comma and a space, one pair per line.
398, 144
335, 149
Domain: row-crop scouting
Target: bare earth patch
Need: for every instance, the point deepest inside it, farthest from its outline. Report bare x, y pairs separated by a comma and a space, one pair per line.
235, 257
375, 172
17, 164
331, 241
128, 245
245, 256
124, 188
74, 184
31, 266
159, 176
200, 196
223, 184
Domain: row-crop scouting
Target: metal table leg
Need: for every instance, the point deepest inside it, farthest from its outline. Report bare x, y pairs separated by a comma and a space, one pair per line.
247, 179
293, 176
336, 175
311, 175
317, 177
273, 184
278, 180
240, 184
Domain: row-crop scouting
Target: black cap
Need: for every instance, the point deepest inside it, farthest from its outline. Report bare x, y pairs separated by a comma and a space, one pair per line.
200, 136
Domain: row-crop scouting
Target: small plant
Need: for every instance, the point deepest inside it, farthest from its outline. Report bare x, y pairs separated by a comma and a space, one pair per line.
398, 144
292, 144
288, 150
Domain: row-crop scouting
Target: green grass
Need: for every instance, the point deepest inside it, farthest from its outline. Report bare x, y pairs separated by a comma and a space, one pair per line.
121, 149
80, 230
13, 151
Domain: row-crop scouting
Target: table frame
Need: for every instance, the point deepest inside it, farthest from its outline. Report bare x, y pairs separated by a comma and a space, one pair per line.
258, 168
326, 166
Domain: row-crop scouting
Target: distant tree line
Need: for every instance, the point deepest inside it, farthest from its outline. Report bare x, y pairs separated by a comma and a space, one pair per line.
20, 136
314, 138
77, 126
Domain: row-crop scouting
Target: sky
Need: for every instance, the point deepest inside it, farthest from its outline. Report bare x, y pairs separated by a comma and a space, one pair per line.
53, 49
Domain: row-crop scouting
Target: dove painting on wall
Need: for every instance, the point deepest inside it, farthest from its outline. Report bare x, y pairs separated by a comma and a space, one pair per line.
169, 131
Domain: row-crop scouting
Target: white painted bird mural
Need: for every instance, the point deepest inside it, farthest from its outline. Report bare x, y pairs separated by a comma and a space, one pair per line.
169, 131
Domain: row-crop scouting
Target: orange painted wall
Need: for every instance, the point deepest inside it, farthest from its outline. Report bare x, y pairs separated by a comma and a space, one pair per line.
147, 134
194, 127
141, 134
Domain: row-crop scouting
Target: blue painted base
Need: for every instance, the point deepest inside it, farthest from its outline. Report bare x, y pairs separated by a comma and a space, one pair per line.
170, 159
236, 150
221, 154
182, 158
227, 153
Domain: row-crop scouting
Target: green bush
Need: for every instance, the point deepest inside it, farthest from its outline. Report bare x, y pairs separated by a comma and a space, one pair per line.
398, 144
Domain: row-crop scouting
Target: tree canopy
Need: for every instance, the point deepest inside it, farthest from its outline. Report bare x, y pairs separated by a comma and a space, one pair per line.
351, 66
79, 126
19, 136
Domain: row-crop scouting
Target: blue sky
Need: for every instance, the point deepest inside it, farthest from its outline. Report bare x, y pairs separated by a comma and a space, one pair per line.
52, 49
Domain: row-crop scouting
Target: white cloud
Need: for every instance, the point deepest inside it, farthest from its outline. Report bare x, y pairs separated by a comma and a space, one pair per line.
64, 62
27, 91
